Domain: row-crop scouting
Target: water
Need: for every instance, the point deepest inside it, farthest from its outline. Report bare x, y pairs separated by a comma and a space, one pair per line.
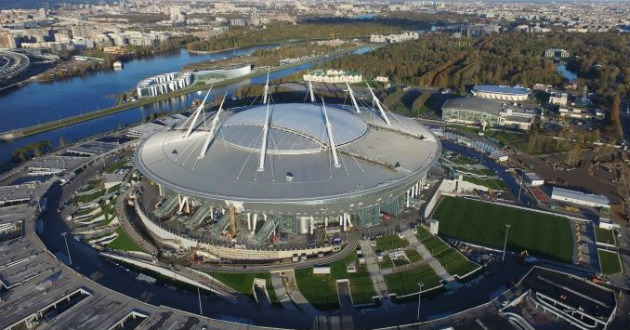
365, 17
46, 102
569, 75
60, 99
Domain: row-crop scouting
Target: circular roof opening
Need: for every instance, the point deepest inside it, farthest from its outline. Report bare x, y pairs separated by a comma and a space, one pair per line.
293, 128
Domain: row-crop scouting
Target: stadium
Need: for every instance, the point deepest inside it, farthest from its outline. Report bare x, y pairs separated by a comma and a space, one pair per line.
281, 176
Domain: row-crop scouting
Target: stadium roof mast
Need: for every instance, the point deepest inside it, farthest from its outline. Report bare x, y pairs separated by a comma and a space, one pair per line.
330, 136
378, 104
354, 101
197, 112
310, 91
266, 89
263, 145
212, 133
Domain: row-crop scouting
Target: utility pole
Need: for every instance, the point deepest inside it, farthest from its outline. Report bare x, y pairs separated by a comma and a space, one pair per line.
507, 228
420, 284
67, 248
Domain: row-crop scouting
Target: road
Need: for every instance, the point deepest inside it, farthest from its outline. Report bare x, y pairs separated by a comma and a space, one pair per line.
624, 118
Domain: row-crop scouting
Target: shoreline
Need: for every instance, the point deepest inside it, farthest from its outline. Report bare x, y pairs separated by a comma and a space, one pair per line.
36, 129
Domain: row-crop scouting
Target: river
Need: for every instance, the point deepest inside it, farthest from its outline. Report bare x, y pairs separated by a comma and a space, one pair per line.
42, 102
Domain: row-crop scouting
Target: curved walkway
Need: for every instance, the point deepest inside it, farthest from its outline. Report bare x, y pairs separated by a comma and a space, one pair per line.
126, 225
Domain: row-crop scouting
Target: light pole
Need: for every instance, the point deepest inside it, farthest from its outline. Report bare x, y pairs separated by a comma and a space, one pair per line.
520, 187
67, 248
507, 228
420, 284
199, 295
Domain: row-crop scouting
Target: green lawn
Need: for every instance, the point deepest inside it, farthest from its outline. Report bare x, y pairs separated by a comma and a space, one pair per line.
435, 245
423, 234
413, 255
484, 224
406, 282
116, 166
609, 262
492, 183
91, 197
243, 282
123, 242
319, 290
455, 263
386, 263
325, 297
390, 242
605, 236
361, 286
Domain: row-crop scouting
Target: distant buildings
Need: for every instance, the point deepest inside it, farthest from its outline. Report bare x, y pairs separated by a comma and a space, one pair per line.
556, 52
499, 92
164, 83
333, 76
394, 38
558, 98
581, 113
485, 112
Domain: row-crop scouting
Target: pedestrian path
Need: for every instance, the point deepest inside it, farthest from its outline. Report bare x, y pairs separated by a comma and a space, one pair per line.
290, 285
281, 293
436, 265
371, 261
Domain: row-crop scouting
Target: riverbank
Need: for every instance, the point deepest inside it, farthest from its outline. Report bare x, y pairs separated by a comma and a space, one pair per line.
36, 129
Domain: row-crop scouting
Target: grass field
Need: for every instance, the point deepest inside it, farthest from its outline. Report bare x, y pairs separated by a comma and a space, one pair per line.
123, 242
492, 183
406, 282
423, 234
361, 286
390, 242
609, 262
243, 282
605, 236
435, 245
455, 263
483, 223
413, 255
319, 290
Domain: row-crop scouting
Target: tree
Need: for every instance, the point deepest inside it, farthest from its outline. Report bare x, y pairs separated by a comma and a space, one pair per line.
614, 120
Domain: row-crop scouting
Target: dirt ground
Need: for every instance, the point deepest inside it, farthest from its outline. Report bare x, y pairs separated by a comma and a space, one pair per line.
597, 178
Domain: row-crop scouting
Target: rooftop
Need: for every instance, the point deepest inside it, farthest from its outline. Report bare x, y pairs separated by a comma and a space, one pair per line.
369, 153
471, 103
574, 194
500, 89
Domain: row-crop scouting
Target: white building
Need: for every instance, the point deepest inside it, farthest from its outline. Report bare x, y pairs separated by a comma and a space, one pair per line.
533, 179
500, 92
579, 198
558, 98
394, 38
164, 83
333, 76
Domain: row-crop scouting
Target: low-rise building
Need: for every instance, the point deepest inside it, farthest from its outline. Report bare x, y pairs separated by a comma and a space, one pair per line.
579, 197
484, 112
500, 92
558, 98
